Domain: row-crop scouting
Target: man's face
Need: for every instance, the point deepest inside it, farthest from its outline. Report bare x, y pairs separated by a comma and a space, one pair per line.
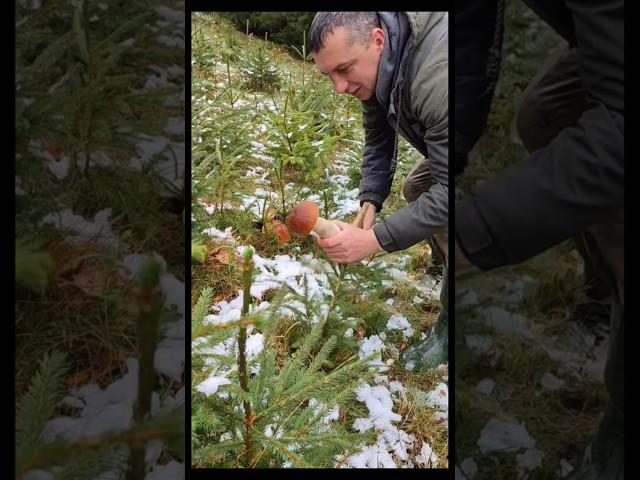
353, 69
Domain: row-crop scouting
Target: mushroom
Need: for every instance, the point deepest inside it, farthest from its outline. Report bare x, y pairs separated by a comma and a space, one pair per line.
305, 218
281, 231
275, 228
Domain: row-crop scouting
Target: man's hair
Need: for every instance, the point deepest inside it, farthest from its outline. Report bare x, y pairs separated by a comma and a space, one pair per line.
358, 25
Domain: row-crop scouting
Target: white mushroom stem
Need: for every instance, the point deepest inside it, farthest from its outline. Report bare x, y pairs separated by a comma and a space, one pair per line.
325, 228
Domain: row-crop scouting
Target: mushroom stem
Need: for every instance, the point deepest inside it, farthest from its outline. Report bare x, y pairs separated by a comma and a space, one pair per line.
325, 228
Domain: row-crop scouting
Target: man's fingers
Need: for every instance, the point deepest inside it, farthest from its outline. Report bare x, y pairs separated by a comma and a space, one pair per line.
369, 218
330, 242
365, 216
359, 217
337, 258
342, 225
322, 243
331, 251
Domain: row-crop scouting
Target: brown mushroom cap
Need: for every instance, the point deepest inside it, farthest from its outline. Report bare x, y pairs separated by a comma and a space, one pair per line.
303, 217
281, 231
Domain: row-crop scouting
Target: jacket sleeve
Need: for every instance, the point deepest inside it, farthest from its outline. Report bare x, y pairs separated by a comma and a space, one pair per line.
429, 213
574, 182
377, 173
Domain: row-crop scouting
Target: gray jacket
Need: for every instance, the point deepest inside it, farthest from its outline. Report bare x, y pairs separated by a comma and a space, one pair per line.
412, 79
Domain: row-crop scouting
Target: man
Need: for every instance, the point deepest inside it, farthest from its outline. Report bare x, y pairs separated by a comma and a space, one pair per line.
396, 64
572, 120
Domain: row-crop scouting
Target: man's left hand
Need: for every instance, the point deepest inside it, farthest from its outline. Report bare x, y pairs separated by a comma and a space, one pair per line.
351, 245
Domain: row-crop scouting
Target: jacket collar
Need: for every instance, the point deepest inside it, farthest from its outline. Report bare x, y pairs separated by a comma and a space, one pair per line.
397, 34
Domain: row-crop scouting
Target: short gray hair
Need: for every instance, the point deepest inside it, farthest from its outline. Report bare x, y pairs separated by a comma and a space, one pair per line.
358, 24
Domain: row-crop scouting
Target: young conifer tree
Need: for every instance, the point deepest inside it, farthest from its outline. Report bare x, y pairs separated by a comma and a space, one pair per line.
276, 409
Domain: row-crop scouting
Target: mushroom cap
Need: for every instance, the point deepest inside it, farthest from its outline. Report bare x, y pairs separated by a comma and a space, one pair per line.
303, 217
281, 231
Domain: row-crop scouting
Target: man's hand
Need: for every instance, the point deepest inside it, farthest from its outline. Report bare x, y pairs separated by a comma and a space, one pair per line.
366, 216
462, 263
352, 244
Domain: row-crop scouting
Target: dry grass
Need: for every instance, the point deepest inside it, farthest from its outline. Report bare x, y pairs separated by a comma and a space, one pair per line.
88, 309
85, 313
420, 420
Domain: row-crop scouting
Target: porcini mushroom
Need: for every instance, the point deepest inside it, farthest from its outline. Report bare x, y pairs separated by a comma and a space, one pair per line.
305, 218
275, 228
281, 231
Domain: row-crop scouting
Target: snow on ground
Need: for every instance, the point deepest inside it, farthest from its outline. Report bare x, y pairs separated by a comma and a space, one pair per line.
215, 233
397, 322
579, 350
98, 230
394, 447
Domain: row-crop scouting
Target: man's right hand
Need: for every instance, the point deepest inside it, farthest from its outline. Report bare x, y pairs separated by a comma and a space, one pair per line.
366, 216
462, 264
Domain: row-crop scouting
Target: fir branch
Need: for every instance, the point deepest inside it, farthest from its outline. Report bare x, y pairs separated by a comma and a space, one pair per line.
60, 451
205, 453
39, 403
323, 355
296, 459
242, 360
202, 307
256, 319
305, 387
150, 301
107, 43
93, 463
50, 55
267, 373
296, 364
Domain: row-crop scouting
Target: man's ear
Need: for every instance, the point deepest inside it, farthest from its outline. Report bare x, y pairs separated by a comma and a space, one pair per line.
378, 38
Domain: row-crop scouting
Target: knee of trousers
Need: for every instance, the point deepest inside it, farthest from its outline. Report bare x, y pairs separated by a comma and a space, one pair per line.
410, 189
530, 122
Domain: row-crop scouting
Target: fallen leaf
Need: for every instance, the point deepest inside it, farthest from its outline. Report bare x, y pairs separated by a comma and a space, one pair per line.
219, 298
56, 151
78, 379
270, 213
91, 282
220, 255
75, 263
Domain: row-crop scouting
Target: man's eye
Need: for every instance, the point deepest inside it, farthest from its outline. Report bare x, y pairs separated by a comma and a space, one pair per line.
344, 70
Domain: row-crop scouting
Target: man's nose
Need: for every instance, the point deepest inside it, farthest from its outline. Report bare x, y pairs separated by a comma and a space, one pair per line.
340, 85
